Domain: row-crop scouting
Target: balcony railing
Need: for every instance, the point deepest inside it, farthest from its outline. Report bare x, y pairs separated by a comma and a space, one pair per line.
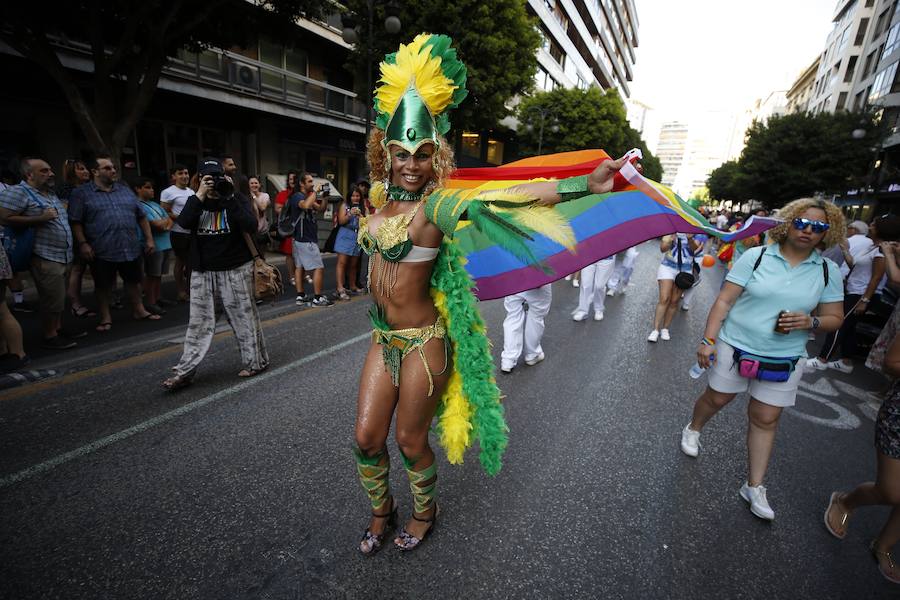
247, 76
242, 75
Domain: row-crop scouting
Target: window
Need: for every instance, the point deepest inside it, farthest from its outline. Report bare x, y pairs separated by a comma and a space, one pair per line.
582, 84
471, 145
842, 101
844, 38
545, 81
290, 59
851, 66
893, 39
858, 101
554, 48
883, 83
869, 66
870, 3
861, 32
882, 22
495, 152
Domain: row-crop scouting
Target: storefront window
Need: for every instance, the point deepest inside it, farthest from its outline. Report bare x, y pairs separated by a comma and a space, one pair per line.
471, 145
495, 152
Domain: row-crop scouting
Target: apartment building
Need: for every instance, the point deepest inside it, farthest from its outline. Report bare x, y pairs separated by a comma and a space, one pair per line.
673, 137
274, 106
797, 98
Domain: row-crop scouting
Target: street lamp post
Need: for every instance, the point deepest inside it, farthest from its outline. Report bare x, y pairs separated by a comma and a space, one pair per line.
349, 34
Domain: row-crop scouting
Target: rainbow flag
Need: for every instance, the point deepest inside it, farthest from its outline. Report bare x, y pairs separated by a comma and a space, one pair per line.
604, 224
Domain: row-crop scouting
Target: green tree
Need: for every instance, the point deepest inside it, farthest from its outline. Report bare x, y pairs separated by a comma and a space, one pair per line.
575, 119
727, 183
497, 41
798, 155
130, 43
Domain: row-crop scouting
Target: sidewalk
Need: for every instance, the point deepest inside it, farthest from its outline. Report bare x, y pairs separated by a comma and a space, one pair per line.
128, 333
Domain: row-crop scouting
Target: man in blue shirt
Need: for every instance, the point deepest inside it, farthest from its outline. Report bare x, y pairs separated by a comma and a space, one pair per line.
105, 215
32, 203
303, 208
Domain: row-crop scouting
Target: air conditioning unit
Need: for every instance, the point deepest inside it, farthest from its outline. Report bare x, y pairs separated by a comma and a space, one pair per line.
243, 75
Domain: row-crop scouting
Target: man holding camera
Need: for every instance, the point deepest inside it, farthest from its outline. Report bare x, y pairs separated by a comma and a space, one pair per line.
105, 217
219, 220
304, 207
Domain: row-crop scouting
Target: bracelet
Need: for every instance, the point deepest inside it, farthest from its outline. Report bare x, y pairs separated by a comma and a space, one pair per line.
708, 341
864, 300
572, 188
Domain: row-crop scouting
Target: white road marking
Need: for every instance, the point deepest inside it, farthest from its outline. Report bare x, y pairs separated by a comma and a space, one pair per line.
172, 414
821, 390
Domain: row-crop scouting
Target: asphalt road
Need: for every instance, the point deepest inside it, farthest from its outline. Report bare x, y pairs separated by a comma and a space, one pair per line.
111, 488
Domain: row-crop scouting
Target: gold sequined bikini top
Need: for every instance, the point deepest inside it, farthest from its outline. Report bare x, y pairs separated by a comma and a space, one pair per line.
391, 239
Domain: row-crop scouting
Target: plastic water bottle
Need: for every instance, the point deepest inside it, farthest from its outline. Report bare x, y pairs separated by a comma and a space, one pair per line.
696, 371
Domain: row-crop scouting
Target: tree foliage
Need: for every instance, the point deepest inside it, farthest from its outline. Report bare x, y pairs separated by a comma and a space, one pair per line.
497, 41
130, 43
798, 155
575, 119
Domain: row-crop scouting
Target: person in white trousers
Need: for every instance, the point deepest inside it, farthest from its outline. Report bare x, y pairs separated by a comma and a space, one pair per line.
621, 275
531, 320
593, 289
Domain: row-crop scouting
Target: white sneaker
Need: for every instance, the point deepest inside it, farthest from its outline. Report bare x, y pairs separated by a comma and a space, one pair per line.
685, 307
690, 441
654, 336
815, 363
611, 292
759, 505
839, 365
575, 283
568, 278
664, 334
598, 315
506, 368
579, 315
534, 360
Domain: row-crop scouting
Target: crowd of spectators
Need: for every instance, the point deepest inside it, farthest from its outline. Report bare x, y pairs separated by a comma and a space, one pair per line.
55, 231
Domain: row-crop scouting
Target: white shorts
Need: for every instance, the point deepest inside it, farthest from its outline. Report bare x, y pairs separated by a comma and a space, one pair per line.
307, 256
667, 272
724, 378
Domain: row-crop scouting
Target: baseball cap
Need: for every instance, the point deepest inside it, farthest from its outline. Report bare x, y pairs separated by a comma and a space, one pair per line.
210, 166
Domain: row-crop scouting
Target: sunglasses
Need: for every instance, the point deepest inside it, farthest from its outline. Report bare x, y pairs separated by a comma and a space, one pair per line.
817, 226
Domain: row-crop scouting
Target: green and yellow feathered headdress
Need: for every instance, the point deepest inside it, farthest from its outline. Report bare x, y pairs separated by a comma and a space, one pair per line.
419, 84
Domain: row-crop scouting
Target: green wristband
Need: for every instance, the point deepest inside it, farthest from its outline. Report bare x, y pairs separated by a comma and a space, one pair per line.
572, 188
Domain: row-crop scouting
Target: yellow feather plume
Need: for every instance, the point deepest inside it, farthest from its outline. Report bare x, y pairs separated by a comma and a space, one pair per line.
415, 66
456, 417
542, 219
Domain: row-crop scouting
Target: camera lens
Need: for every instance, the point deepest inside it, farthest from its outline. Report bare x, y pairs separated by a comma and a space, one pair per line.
222, 186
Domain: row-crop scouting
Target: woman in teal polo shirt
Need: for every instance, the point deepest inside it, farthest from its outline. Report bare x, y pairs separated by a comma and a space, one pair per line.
764, 310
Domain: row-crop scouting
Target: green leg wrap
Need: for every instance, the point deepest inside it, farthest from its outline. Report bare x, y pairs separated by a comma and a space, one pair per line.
374, 477
423, 494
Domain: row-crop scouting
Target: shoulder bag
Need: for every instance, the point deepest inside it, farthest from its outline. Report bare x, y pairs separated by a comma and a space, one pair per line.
267, 283
683, 279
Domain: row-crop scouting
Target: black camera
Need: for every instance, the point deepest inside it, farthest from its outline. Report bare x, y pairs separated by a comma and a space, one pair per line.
222, 186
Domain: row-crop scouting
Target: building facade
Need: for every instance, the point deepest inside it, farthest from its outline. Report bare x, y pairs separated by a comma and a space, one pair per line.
273, 106
797, 98
670, 149
584, 43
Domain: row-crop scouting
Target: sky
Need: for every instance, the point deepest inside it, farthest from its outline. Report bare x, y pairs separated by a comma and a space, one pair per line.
699, 55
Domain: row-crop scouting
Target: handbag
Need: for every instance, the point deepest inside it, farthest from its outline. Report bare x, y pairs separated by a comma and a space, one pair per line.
764, 368
267, 283
683, 280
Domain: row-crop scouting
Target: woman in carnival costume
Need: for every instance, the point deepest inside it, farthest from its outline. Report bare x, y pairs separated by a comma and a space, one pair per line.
429, 355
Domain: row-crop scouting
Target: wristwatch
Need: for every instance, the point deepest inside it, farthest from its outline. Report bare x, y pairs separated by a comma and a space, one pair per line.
815, 323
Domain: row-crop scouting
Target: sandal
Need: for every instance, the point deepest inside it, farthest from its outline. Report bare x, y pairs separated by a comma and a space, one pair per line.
251, 372
82, 312
374, 541
409, 542
179, 381
343, 295
104, 326
835, 503
892, 575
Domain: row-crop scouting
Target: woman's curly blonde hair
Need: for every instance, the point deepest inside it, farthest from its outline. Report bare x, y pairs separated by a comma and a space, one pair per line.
836, 233
380, 160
